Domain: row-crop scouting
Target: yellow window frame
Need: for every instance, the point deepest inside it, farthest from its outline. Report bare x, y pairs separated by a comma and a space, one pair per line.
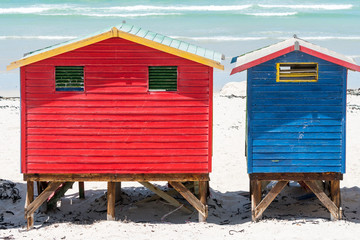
296, 75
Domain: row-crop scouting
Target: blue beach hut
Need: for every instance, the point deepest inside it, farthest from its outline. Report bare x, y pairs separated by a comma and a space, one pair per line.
296, 112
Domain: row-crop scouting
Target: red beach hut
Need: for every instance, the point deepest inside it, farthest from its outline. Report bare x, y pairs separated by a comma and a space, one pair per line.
124, 104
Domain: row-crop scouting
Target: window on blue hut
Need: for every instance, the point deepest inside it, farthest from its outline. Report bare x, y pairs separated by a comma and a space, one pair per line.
163, 78
297, 72
69, 78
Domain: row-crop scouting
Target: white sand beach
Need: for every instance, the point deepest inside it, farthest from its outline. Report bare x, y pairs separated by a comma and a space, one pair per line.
293, 215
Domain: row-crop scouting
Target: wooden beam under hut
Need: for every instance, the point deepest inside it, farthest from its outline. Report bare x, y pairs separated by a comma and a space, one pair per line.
28, 201
34, 205
81, 190
165, 196
199, 205
56, 180
312, 181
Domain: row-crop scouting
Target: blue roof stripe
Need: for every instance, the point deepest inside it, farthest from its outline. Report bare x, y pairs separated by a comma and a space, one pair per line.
233, 59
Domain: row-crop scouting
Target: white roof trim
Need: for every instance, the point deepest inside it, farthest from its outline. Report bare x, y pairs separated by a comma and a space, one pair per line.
252, 56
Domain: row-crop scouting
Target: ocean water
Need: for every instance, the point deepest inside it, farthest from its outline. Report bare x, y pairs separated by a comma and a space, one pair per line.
227, 26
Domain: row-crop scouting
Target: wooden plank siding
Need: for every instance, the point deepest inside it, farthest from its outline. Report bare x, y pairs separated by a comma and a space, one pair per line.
116, 125
296, 126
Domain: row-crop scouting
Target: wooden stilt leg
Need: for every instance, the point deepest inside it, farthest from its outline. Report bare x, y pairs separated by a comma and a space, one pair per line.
261, 207
34, 205
111, 201
196, 203
81, 190
29, 199
255, 190
335, 195
328, 203
203, 188
117, 191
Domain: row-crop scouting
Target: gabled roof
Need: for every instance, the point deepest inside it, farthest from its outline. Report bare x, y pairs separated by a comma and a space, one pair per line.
262, 55
134, 34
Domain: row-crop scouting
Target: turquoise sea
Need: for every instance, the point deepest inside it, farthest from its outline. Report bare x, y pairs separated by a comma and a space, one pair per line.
231, 27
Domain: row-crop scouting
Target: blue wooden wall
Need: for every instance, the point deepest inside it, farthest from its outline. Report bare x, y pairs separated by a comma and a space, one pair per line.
296, 127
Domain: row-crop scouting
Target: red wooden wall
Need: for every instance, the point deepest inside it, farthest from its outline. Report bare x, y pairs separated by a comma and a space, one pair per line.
116, 125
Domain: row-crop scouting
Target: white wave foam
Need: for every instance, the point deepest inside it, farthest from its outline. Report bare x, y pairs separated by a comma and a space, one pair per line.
181, 8
319, 6
76, 10
23, 10
111, 14
38, 37
220, 38
272, 14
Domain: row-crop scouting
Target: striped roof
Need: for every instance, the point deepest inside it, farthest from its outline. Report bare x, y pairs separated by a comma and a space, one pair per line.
131, 33
262, 55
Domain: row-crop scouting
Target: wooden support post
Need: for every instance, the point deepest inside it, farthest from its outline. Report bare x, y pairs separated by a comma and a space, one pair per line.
165, 196
81, 190
199, 206
261, 207
255, 192
117, 191
111, 201
29, 199
330, 205
335, 195
203, 189
31, 208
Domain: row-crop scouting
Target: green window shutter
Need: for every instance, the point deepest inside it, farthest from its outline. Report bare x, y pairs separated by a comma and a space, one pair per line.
163, 78
69, 78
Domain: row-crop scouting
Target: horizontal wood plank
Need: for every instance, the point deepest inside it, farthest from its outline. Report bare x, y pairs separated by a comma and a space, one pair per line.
296, 142
297, 136
280, 156
297, 149
118, 124
117, 145
114, 111
125, 138
119, 103
303, 108
117, 160
296, 169
297, 129
301, 122
118, 168
117, 177
114, 117
292, 176
297, 115
108, 96
117, 153
297, 163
